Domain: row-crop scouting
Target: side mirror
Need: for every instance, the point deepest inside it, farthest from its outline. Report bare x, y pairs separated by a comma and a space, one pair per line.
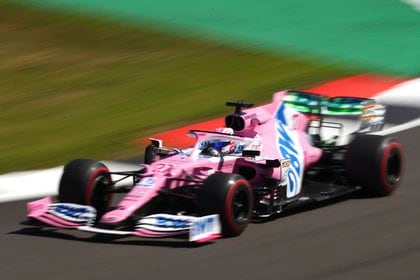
156, 143
250, 153
274, 163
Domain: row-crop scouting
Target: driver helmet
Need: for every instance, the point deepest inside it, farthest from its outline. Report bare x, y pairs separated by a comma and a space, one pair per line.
225, 147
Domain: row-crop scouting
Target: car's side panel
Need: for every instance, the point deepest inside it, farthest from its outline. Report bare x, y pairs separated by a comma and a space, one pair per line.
289, 146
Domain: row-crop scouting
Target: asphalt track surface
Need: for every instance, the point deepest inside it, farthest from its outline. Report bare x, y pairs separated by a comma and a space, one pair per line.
354, 238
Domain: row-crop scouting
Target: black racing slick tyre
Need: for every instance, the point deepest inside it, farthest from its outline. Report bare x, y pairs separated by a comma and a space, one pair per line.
375, 163
230, 196
86, 182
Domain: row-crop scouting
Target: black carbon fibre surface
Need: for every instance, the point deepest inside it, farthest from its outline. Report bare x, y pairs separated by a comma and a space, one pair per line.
358, 238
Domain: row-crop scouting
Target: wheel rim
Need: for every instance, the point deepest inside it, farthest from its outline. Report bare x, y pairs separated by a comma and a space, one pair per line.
240, 207
393, 166
101, 197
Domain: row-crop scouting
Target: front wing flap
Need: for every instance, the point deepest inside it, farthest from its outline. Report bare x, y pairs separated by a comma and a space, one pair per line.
82, 217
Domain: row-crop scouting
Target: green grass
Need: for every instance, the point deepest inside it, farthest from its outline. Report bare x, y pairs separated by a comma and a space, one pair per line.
75, 86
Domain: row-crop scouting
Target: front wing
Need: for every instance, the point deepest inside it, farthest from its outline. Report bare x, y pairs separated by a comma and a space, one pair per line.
82, 217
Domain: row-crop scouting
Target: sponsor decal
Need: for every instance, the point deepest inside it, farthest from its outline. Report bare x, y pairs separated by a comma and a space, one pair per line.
239, 148
172, 223
295, 121
73, 212
147, 182
373, 117
165, 222
285, 163
287, 145
204, 227
199, 228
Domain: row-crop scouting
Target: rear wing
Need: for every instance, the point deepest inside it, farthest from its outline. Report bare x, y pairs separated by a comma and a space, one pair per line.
370, 113
305, 102
320, 105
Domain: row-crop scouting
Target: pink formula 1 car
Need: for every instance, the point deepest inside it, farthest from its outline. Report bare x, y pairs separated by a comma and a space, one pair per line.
267, 159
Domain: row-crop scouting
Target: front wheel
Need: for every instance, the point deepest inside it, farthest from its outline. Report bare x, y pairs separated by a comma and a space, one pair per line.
375, 162
230, 196
86, 182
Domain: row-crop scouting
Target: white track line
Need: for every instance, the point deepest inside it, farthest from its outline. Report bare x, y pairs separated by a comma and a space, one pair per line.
38, 183
406, 94
399, 128
29, 184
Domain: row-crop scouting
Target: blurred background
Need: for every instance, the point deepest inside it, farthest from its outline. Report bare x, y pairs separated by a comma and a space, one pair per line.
91, 78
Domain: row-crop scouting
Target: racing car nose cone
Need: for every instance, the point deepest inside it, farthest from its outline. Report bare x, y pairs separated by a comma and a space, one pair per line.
111, 218
114, 216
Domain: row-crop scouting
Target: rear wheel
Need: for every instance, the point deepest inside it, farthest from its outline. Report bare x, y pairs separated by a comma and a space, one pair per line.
375, 163
86, 182
230, 196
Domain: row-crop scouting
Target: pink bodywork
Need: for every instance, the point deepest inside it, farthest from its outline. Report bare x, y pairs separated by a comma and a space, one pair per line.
179, 165
39, 210
261, 134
